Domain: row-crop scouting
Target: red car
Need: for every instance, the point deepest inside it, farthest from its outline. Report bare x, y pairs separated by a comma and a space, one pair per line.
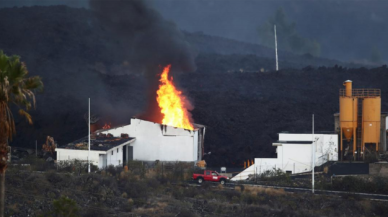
210, 176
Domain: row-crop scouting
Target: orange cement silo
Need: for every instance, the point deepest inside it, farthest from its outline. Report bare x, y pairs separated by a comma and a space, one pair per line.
348, 118
371, 116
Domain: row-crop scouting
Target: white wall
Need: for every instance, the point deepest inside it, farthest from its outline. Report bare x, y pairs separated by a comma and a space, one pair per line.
116, 158
73, 154
98, 158
159, 142
102, 161
297, 158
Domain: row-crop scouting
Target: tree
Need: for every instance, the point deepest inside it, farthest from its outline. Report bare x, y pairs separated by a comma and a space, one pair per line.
15, 89
288, 38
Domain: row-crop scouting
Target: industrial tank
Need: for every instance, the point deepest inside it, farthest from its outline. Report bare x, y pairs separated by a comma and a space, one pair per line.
348, 116
360, 133
371, 114
348, 111
348, 119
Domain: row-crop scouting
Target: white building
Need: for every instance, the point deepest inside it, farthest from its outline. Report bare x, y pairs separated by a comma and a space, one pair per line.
140, 140
294, 154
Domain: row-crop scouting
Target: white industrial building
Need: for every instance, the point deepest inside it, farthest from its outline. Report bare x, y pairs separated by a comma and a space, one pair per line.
140, 140
294, 154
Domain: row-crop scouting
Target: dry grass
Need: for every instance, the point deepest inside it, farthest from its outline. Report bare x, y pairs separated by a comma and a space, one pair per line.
366, 204
156, 210
151, 173
220, 187
260, 190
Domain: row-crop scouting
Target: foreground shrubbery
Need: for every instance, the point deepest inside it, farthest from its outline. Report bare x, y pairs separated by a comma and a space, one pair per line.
150, 191
376, 184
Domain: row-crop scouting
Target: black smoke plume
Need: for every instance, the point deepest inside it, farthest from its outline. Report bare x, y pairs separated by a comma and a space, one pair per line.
150, 42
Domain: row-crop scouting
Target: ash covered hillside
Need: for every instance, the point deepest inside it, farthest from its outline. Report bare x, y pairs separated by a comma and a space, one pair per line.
78, 57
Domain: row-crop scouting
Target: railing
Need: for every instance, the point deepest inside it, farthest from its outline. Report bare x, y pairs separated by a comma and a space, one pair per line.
362, 93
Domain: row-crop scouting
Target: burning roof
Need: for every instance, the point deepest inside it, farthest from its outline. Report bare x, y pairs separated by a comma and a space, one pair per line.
173, 105
100, 143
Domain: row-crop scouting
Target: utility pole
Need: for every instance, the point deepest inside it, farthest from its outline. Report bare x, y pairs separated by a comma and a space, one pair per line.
276, 49
89, 139
313, 156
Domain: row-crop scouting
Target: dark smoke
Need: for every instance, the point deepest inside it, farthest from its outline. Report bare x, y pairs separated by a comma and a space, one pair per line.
150, 42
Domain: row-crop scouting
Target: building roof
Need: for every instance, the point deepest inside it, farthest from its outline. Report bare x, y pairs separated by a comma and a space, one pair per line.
309, 132
294, 142
98, 143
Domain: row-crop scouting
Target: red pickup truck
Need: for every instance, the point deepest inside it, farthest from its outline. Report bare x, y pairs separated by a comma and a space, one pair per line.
211, 176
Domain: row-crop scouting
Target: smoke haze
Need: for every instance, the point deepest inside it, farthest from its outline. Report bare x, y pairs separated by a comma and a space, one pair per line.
348, 30
150, 42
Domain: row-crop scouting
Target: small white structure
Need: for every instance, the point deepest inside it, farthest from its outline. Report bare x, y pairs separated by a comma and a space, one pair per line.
104, 151
140, 140
294, 154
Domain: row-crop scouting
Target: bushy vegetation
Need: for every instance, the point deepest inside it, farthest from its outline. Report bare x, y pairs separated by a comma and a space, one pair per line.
376, 184
156, 190
275, 174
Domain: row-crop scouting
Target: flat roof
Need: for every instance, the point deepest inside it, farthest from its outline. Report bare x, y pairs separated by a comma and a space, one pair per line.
98, 143
294, 142
315, 132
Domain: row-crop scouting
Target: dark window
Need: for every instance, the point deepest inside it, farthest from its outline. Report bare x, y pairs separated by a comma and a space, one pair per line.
117, 150
207, 173
112, 152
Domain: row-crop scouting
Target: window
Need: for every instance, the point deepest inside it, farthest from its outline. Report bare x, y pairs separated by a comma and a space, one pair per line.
117, 150
112, 152
207, 172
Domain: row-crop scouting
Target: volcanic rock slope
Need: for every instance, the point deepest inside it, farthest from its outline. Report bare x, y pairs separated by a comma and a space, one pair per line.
235, 92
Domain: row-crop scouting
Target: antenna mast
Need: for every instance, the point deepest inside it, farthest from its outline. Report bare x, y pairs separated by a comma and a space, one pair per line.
276, 49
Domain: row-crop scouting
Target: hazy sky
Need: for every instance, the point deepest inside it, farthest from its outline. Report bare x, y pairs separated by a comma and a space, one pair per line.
346, 29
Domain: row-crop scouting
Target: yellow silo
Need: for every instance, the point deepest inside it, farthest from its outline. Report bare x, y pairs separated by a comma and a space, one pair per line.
371, 112
360, 133
348, 119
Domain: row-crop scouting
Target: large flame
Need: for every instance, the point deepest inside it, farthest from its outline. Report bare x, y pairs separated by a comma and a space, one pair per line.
171, 102
107, 126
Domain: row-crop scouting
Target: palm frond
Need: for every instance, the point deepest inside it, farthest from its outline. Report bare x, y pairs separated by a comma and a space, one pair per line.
26, 115
33, 83
15, 88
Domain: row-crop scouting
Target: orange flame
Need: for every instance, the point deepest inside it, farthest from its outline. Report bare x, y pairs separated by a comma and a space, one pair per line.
106, 126
171, 102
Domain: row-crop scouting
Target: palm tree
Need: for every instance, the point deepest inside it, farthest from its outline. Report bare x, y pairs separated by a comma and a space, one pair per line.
16, 89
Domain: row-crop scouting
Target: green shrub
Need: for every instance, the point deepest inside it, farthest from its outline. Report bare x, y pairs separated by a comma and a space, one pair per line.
276, 175
65, 206
361, 184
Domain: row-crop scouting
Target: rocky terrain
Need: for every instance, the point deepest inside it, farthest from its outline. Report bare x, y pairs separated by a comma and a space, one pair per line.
234, 90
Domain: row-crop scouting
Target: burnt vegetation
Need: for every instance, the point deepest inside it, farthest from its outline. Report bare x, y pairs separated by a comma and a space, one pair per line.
140, 191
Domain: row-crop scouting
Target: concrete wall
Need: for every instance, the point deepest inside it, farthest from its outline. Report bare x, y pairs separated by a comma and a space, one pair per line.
103, 162
159, 142
383, 133
297, 158
114, 156
379, 169
72, 154
98, 158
